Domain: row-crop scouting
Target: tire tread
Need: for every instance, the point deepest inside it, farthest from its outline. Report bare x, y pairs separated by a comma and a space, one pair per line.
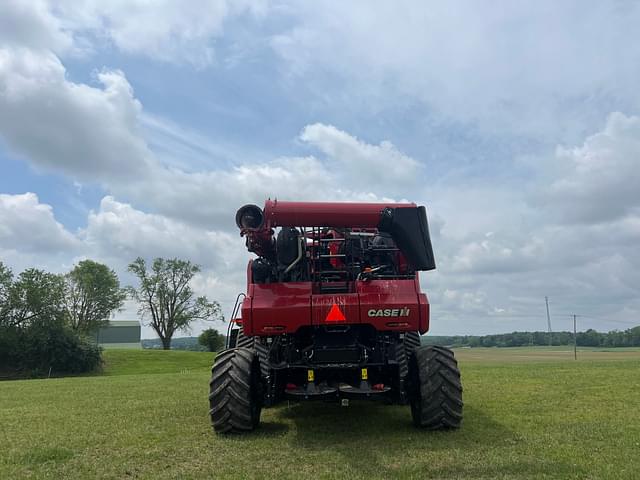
232, 400
437, 389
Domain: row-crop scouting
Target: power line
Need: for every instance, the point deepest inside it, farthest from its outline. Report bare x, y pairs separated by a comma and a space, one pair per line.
626, 322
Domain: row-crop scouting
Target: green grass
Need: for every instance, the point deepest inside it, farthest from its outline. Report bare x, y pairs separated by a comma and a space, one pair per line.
136, 362
543, 419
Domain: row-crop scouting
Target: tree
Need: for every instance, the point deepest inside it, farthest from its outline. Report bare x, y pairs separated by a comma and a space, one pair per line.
92, 294
6, 281
211, 339
164, 295
35, 296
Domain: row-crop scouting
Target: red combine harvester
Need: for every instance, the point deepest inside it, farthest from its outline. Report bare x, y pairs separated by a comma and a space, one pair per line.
333, 311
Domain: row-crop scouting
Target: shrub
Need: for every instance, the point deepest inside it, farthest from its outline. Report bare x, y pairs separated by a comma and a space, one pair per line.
41, 348
60, 349
34, 339
212, 340
9, 346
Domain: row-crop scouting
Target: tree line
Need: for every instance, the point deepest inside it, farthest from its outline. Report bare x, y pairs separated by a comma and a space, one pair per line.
588, 338
47, 319
210, 340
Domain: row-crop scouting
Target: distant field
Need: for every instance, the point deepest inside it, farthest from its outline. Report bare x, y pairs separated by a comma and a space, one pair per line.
529, 414
544, 354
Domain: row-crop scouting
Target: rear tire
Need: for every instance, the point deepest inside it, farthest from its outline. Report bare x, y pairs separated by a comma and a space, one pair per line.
404, 349
435, 390
411, 342
255, 344
243, 341
235, 391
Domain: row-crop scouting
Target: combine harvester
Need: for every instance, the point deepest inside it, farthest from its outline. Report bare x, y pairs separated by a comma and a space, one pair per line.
333, 312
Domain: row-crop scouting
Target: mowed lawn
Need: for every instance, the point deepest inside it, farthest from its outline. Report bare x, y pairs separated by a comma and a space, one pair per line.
529, 413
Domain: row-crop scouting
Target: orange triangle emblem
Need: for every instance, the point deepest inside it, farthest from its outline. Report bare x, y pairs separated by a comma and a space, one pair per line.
335, 315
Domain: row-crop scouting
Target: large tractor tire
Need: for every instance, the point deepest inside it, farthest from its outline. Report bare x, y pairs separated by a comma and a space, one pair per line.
243, 341
257, 345
403, 350
435, 390
235, 391
411, 342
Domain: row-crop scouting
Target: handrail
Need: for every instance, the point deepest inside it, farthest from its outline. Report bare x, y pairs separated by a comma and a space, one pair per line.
234, 312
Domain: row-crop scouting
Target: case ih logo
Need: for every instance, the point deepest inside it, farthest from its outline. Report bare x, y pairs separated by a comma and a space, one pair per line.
389, 312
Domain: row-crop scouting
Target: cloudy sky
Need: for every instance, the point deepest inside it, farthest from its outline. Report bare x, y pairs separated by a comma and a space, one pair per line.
134, 128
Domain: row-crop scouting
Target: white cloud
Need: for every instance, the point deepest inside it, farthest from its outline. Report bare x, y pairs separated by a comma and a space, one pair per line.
29, 226
86, 132
93, 135
569, 231
206, 198
31, 25
119, 231
169, 30
599, 180
366, 165
542, 70
495, 255
503, 68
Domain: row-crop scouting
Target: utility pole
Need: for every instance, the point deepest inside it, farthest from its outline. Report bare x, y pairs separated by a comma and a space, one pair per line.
546, 301
575, 338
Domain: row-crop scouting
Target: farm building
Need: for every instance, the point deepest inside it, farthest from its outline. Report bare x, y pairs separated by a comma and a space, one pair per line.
124, 334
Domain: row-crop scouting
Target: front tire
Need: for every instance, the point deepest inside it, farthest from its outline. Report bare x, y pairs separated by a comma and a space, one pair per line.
435, 389
235, 391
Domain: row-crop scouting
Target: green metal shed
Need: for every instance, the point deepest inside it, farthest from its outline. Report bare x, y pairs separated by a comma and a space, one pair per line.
122, 334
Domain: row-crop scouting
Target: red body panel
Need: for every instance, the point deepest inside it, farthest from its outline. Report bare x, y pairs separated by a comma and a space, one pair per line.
424, 313
277, 308
389, 304
424, 307
324, 214
347, 304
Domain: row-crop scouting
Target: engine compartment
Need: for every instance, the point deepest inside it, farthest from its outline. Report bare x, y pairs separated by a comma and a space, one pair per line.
332, 258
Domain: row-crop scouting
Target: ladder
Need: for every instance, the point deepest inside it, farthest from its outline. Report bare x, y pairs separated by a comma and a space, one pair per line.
329, 270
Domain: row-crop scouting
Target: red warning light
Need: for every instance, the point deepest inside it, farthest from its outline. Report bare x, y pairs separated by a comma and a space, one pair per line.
335, 315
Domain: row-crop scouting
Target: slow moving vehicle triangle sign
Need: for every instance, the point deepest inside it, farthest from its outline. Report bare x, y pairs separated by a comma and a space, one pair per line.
335, 315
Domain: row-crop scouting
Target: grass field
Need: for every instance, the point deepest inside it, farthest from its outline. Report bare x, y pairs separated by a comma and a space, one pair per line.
529, 413
140, 362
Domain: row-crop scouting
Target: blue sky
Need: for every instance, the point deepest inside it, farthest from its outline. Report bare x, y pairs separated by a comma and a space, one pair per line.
129, 128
